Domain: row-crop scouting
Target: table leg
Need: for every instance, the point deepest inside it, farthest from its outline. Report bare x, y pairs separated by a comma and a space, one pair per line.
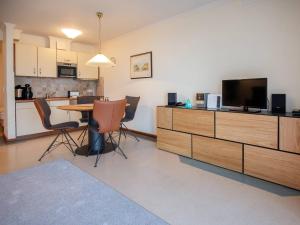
95, 140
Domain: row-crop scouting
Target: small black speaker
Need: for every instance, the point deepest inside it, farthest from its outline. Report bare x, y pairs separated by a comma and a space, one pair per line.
278, 103
172, 98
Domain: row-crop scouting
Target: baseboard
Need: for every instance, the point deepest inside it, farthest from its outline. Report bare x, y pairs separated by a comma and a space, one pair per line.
145, 134
48, 133
33, 136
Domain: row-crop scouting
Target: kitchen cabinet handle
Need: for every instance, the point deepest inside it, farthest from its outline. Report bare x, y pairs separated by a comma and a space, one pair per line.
40, 71
34, 70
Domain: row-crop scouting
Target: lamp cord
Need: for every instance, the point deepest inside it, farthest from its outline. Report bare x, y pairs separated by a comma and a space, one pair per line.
99, 34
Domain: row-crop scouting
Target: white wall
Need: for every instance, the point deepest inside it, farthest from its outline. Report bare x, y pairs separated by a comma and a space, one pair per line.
1, 76
194, 51
9, 84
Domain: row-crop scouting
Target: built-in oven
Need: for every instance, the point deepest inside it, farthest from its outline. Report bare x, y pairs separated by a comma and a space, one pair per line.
67, 70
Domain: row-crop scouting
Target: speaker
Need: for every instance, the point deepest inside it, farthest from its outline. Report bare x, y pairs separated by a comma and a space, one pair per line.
214, 101
172, 99
278, 103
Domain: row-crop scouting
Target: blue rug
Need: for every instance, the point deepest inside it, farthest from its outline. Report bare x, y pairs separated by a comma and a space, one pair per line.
60, 193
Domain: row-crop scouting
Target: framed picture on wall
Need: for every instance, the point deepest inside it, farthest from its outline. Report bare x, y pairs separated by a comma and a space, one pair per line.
141, 66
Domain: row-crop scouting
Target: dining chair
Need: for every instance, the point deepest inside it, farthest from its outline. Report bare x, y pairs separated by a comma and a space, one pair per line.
129, 115
61, 128
109, 116
85, 115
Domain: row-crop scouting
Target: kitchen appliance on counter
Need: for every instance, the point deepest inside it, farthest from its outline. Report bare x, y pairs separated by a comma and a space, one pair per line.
18, 92
73, 94
27, 92
67, 70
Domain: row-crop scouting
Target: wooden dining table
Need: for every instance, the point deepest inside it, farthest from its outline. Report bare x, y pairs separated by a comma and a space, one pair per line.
95, 139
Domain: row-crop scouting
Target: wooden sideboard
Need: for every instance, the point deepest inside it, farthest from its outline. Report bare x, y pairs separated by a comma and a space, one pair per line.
263, 145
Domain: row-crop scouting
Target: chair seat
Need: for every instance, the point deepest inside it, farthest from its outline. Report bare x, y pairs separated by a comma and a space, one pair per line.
84, 120
126, 120
66, 125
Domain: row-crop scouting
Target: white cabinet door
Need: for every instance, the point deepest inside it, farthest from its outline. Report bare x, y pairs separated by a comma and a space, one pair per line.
25, 60
28, 120
58, 115
66, 56
46, 62
84, 71
76, 116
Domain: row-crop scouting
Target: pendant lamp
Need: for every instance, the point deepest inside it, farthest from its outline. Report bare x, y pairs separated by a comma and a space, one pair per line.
99, 59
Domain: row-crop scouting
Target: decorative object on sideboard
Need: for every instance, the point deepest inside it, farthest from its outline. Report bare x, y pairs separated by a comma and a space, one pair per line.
278, 103
214, 101
172, 99
201, 100
141, 66
188, 104
99, 59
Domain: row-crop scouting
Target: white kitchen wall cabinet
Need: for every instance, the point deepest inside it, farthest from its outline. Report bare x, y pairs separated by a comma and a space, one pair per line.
26, 59
84, 71
46, 62
66, 56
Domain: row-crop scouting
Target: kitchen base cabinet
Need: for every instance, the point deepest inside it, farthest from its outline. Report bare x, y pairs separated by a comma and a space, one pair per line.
58, 115
29, 122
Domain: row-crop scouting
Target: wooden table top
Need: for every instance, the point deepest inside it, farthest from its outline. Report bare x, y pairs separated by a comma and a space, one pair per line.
79, 107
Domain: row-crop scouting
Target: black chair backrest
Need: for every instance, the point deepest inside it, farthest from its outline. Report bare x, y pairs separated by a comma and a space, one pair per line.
131, 109
86, 100
44, 112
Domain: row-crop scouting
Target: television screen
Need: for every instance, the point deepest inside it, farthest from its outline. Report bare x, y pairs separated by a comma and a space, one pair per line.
247, 92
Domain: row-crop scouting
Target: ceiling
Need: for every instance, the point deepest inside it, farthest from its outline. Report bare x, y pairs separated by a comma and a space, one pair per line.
47, 17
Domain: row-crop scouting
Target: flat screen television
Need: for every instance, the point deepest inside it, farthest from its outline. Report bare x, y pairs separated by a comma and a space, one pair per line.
249, 93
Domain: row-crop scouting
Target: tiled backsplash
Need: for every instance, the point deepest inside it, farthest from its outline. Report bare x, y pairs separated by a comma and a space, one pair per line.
57, 87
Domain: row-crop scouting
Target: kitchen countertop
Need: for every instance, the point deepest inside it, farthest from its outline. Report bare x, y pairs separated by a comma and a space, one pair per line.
48, 99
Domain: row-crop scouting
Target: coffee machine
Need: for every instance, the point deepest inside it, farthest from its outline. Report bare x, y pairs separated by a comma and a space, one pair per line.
27, 92
18, 92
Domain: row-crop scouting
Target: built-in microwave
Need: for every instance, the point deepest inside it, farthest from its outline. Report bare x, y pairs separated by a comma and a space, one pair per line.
67, 70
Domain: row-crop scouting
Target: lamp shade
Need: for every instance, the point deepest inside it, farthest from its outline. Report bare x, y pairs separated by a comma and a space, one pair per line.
100, 60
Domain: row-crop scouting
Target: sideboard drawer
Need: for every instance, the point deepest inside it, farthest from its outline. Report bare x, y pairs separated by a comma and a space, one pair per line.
164, 117
278, 167
221, 153
251, 129
194, 121
176, 142
289, 134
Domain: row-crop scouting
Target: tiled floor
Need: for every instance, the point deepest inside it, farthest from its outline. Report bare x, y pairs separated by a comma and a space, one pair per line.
177, 189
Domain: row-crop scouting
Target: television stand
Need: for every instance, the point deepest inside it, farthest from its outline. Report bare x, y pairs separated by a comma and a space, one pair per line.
245, 109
